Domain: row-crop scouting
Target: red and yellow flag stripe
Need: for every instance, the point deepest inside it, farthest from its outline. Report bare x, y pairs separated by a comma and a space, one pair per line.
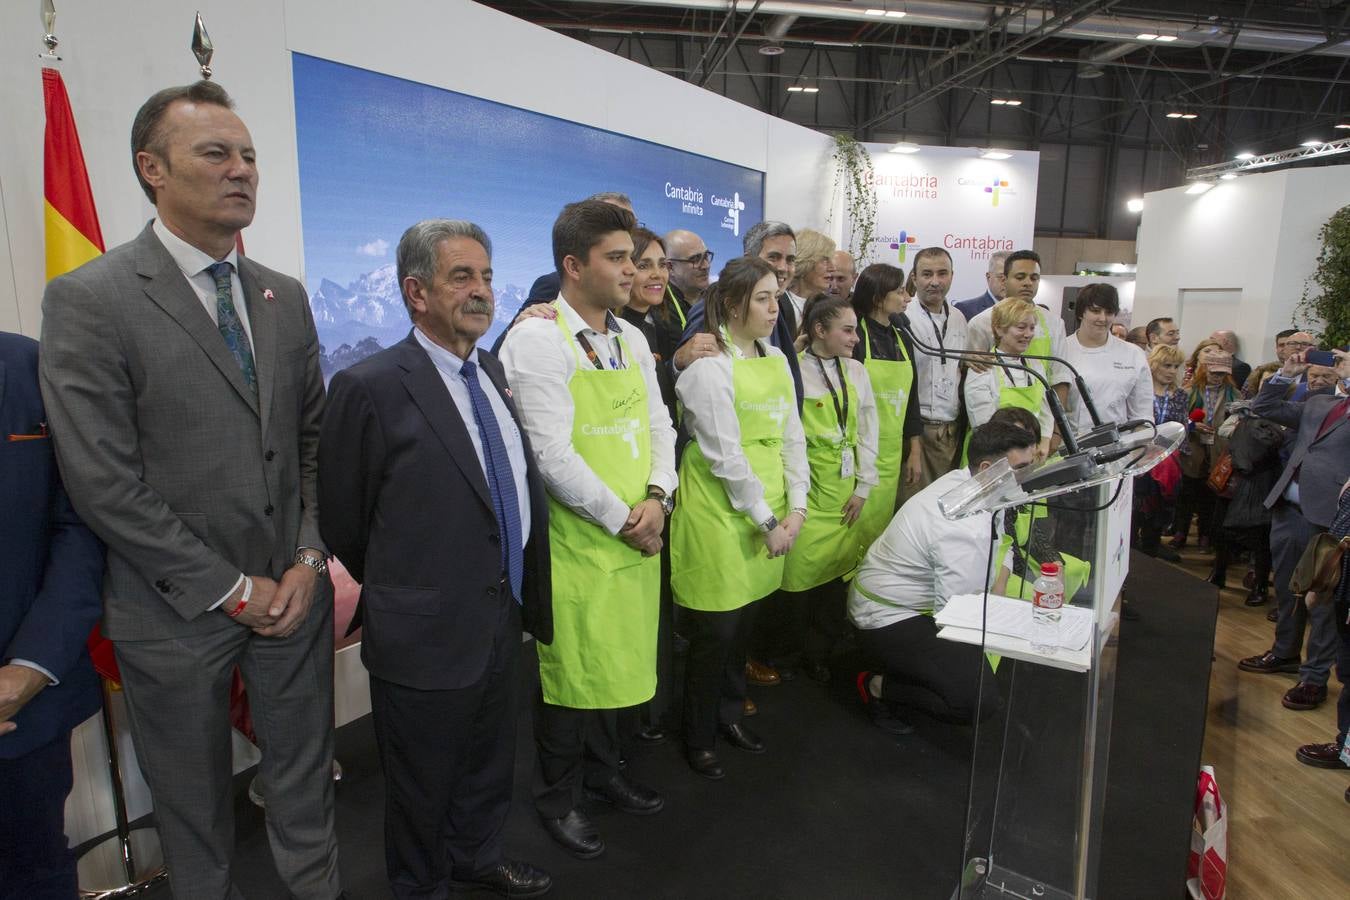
72, 232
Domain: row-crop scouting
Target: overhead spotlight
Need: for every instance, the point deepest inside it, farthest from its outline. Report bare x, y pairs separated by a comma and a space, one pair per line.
1146, 36
905, 147
794, 88
1189, 116
995, 154
1199, 187
1135, 204
878, 13
1013, 103
1228, 176
998, 102
810, 90
1245, 155
770, 49
1312, 142
1165, 38
1344, 126
895, 14
1175, 115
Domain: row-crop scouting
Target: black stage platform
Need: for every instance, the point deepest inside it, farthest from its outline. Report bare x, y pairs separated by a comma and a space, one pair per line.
836, 808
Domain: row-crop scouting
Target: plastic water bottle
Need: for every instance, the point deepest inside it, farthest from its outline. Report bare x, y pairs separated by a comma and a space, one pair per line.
1047, 601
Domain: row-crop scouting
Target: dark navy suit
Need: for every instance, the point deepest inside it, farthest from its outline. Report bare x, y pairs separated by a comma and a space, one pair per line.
975, 305
51, 572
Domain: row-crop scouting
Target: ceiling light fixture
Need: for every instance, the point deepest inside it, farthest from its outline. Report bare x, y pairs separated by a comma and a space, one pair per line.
810, 90
1135, 204
1228, 176
1199, 187
1165, 38
1189, 116
1312, 142
905, 147
895, 14
1146, 36
995, 154
1344, 126
1245, 155
794, 88
878, 13
1175, 115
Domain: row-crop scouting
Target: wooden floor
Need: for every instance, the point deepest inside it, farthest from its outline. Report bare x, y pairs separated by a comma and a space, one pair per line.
1288, 822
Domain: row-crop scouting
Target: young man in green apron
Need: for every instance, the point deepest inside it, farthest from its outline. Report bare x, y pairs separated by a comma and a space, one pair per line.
585, 385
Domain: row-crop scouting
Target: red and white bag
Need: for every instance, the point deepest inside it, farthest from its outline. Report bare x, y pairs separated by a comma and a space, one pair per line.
1207, 867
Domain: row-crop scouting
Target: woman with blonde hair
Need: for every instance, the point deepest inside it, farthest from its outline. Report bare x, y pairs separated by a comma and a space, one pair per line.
1154, 506
1014, 325
811, 272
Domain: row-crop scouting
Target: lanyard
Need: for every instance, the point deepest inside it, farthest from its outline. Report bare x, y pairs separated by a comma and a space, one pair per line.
870, 350
614, 362
1011, 378
840, 414
1160, 413
940, 335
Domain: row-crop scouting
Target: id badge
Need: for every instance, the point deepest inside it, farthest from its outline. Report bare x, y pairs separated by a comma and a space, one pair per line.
846, 463
944, 388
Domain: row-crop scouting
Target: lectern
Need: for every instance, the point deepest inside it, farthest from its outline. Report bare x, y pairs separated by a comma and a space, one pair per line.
1039, 770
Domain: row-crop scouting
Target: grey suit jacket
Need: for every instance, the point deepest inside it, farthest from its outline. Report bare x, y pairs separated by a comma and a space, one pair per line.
1322, 463
165, 452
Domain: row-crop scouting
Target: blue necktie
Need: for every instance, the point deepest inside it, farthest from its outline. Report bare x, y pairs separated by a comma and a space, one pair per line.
231, 329
501, 482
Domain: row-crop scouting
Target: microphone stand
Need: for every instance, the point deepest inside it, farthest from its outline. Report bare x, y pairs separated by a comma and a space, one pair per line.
1074, 465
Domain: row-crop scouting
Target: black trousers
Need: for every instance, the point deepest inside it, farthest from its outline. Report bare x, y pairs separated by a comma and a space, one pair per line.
821, 620
448, 758
714, 683
776, 633
35, 859
578, 748
1195, 499
946, 679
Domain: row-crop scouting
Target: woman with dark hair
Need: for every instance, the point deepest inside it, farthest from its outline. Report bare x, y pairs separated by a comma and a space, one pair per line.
879, 300
839, 416
742, 501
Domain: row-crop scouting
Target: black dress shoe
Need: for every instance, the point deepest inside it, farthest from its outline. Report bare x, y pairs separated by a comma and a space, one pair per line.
511, 878
1273, 615
651, 736
742, 738
1256, 598
705, 763
576, 834
637, 799
1268, 663
880, 714
1218, 579
1321, 756
818, 672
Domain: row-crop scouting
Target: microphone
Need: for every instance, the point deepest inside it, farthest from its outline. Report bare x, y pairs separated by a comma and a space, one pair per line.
1074, 465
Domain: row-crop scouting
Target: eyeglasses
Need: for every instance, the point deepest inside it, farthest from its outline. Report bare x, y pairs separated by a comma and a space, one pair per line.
704, 257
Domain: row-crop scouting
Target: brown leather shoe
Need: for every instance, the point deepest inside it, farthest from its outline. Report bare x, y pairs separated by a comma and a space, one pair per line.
760, 674
749, 708
1268, 663
1273, 615
1321, 756
1305, 695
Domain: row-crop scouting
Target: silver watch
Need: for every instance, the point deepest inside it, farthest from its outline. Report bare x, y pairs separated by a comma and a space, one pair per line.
769, 524
319, 565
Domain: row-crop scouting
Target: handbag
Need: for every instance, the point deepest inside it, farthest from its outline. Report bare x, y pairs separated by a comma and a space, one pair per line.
1319, 568
1220, 473
1207, 864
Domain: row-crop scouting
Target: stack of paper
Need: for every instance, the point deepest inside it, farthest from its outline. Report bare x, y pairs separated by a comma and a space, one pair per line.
1012, 617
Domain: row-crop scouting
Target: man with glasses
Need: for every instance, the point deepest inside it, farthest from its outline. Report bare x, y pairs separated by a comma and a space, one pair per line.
690, 264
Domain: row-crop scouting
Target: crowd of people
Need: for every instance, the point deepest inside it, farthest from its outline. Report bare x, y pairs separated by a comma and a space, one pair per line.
651, 465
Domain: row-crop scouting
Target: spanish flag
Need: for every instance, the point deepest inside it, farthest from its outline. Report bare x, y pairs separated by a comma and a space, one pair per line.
73, 235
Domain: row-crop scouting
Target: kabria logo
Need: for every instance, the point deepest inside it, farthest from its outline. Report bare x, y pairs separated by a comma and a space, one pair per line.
733, 205
902, 244
993, 189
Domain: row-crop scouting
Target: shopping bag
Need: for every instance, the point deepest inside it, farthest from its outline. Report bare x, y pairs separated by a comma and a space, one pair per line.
1207, 867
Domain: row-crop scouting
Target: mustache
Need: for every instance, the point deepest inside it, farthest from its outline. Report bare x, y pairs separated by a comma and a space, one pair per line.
483, 307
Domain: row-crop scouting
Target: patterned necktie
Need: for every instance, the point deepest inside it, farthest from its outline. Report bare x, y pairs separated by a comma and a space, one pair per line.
501, 482
231, 329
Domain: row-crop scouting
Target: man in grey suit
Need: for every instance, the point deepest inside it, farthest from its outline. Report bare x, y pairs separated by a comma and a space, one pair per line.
183, 388
1302, 503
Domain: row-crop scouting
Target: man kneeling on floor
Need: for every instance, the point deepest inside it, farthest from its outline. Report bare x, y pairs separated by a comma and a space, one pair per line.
920, 560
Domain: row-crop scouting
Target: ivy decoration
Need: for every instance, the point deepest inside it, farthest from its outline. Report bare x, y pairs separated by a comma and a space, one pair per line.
853, 171
1330, 304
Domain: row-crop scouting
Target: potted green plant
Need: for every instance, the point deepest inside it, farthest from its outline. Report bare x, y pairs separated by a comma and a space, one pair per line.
853, 175
1326, 295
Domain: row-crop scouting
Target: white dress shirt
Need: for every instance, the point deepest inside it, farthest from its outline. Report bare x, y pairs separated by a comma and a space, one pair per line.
980, 331
813, 385
706, 393
539, 362
449, 366
930, 371
983, 388
798, 305
1117, 377
194, 264
921, 560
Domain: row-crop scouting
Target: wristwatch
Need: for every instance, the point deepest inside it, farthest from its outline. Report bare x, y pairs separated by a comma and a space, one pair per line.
769, 524
319, 564
660, 496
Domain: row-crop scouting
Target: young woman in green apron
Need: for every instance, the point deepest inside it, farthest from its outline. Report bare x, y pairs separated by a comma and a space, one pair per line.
1014, 326
741, 504
887, 356
839, 416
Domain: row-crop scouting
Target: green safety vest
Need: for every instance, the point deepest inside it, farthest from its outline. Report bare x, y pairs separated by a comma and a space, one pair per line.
718, 560
606, 594
891, 384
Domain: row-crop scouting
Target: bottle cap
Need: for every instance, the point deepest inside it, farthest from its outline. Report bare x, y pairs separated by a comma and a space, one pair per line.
1050, 568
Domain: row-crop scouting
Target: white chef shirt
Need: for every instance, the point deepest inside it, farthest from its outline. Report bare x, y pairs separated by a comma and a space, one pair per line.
929, 370
539, 362
921, 560
982, 393
868, 422
1117, 377
980, 331
706, 393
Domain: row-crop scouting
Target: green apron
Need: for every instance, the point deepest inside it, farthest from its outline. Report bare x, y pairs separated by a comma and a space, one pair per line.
605, 593
1075, 573
826, 548
1030, 397
718, 560
1040, 344
675, 305
891, 383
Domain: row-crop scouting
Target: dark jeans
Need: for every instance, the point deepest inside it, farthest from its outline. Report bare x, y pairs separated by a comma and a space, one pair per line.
822, 620
1343, 673
35, 860
714, 684
578, 748
950, 681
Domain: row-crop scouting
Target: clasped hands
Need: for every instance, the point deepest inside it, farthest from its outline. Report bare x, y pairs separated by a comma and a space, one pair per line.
642, 530
780, 540
275, 608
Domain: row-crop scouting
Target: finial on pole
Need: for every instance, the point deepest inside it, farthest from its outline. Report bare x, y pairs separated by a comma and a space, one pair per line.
202, 48
48, 8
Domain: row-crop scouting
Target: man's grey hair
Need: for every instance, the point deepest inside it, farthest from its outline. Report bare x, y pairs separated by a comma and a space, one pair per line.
417, 249
996, 261
763, 231
612, 197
